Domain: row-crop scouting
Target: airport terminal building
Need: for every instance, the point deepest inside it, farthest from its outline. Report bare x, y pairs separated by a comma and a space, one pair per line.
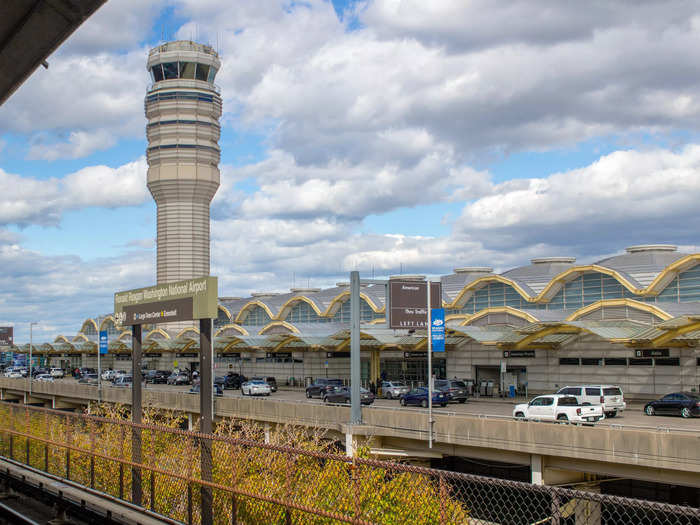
632, 319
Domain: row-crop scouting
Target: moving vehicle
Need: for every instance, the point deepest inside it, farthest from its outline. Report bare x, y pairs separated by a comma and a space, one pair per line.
269, 380
455, 388
178, 378
322, 385
117, 374
13, 373
57, 372
107, 375
343, 394
394, 389
558, 407
255, 387
123, 381
610, 397
419, 397
686, 404
218, 391
44, 377
90, 379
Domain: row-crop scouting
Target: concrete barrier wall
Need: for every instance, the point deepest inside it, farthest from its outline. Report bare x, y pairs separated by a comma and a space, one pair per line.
678, 451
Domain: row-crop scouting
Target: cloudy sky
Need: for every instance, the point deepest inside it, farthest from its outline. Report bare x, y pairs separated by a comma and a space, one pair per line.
374, 135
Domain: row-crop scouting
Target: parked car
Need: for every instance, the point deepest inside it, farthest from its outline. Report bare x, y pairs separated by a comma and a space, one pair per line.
157, 377
37, 370
44, 377
419, 396
57, 372
610, 397
321, 386
123, 381
234, 381
107, 375
394, 389
686, 404
455, 388
90, 379
117, 374
255, 387
558, 407
343, 394
218, 391
85, 370
178, 378
269, 380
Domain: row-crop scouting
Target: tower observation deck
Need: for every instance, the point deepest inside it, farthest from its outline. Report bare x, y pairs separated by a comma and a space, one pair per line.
183, 107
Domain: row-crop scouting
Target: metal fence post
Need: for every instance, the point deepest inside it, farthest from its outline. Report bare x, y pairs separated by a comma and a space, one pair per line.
556, 513
206, 384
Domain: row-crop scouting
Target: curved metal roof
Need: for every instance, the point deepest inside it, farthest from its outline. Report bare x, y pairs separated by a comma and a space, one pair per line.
642, 264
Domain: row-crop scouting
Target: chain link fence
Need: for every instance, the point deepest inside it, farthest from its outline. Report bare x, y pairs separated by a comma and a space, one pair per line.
196, 478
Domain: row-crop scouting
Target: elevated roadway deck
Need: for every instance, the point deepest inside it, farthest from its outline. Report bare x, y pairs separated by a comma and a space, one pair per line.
556, 453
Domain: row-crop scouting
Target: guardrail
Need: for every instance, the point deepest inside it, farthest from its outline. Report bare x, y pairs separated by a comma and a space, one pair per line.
277, 483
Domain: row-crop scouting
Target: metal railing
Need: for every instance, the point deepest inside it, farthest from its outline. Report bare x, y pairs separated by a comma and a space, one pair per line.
296, 478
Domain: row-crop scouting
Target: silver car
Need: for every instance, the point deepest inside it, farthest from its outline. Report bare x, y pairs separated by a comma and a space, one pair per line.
255, 387
394, 389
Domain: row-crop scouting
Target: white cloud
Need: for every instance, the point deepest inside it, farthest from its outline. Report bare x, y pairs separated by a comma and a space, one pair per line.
28, 200
624, 197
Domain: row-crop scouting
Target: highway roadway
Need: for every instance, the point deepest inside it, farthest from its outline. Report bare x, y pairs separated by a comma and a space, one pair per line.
633, 417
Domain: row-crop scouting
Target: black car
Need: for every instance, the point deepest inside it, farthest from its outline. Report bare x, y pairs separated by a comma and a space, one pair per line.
684, 404
322, 386
455, 389
234, 381
157, 377
342, 394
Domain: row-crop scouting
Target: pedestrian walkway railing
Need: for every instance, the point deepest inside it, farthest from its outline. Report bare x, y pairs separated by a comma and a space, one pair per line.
296, 478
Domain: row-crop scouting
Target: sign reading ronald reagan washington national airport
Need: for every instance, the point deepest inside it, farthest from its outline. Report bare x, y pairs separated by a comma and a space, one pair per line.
165, 303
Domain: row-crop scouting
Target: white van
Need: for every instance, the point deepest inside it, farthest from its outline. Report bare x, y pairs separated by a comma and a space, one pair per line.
610, 397
56, 372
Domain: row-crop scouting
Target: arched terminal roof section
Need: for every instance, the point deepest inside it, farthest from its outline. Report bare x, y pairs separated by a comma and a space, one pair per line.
157, 333
469, 320
89, 327
227, 329
275, 326
652, 309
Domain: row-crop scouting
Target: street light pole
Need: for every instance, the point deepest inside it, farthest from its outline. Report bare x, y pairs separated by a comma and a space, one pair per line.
29, 375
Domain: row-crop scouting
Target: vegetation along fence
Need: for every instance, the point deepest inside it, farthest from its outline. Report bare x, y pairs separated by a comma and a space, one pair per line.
296, 478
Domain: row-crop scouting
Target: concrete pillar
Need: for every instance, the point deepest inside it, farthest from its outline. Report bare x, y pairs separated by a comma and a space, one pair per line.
374, 367
349, 445
267, 433
588, 512
536, 469
190, 421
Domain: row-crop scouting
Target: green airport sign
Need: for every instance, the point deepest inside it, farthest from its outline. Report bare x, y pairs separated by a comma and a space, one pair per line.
169, 302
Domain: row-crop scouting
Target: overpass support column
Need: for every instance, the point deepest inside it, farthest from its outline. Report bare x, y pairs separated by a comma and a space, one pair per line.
536, 469
349, 444
374, 368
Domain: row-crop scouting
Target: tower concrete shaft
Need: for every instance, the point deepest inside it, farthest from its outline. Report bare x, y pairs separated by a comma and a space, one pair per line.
183, 107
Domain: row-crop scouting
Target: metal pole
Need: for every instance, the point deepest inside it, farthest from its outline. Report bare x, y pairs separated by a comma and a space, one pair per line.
99, 371
355, 369
29, 375
206, 412
430, 371
136, 413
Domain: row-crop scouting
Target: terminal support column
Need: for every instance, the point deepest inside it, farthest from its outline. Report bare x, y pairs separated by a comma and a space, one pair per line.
136, 413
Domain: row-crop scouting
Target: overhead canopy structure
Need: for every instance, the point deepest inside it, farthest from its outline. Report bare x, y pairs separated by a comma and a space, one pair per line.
30, 30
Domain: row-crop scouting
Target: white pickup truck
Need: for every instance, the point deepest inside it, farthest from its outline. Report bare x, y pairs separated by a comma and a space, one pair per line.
558, 407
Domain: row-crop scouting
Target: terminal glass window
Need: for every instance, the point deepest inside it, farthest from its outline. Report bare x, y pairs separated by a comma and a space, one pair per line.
568, 361
366, 312
212, 74
592, 361
257, 316
667, 361
640, 362
689, 285
302, 312
187, 70
615, 361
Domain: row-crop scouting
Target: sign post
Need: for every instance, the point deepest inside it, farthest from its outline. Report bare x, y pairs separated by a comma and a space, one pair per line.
104, 347
430, 366
164, 303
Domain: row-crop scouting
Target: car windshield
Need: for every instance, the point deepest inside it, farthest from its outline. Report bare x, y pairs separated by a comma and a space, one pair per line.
397, 383
692, 395
459, 384
257, 382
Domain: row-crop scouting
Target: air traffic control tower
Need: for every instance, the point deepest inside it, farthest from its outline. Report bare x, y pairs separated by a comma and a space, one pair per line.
183, 107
